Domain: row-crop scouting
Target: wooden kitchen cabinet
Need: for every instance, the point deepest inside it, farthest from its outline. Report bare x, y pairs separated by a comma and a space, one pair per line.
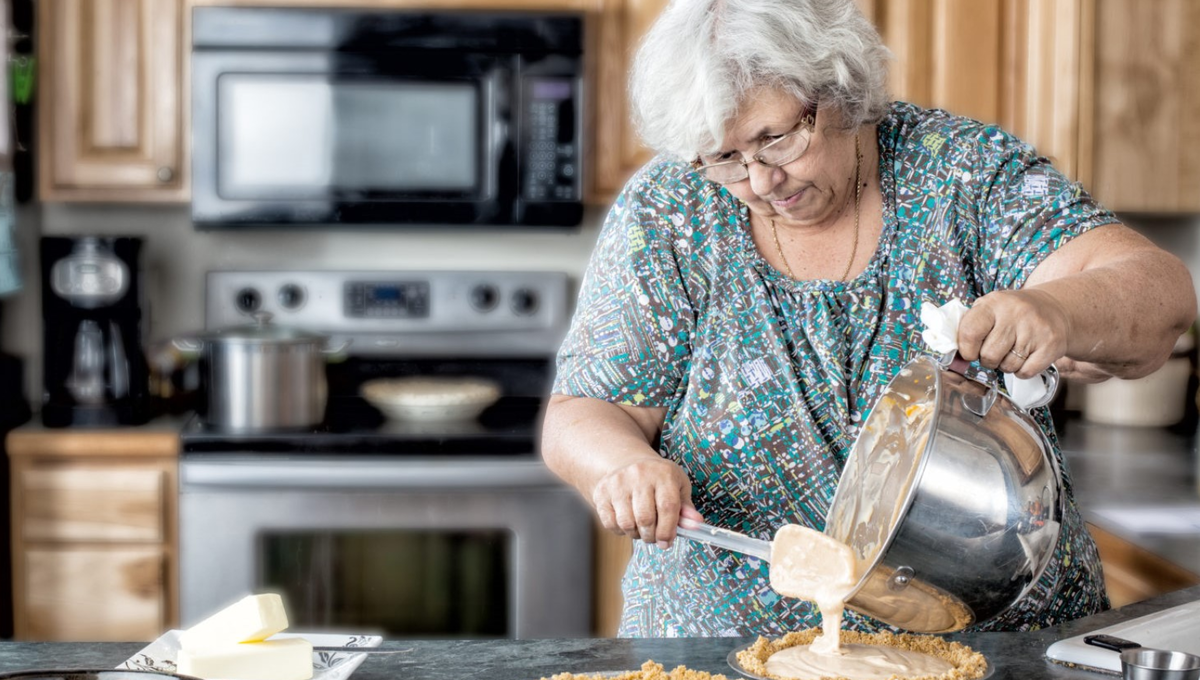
1100, 88
113, 121
94, 549
1133, 574
1016, 63
617, 151
1144, 112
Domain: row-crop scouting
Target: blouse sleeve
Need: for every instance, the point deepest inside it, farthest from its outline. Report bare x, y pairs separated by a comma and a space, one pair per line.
631, 336
1025, 210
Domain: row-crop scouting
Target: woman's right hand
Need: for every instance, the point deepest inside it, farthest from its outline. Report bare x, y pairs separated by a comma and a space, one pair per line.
645, 499
604, 450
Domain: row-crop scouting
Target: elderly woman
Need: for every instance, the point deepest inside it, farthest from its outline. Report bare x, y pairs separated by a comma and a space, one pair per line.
756, 287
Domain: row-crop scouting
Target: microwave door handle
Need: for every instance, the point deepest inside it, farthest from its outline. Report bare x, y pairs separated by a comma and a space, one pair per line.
498, 134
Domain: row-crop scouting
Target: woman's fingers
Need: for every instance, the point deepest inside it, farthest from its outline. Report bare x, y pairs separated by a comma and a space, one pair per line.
1020, 332
643, 500
670, 498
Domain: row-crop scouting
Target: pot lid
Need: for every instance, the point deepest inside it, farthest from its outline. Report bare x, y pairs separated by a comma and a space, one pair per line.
261, 330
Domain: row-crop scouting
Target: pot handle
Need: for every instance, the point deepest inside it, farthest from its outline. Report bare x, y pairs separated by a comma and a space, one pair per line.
187, 344
335, 352
981, 405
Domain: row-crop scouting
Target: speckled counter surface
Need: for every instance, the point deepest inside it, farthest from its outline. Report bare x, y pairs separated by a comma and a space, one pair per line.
1013, 655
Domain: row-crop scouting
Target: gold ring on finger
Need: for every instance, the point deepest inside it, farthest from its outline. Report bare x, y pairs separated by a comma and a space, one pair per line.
1018, 354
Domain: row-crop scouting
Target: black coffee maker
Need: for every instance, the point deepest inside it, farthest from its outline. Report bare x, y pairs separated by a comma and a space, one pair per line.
95, 366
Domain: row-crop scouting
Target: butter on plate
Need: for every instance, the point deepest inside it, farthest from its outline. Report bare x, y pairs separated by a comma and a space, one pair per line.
284, 659
251, 619
232, 644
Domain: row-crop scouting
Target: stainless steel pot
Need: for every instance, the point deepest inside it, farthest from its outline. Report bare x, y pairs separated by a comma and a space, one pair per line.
951, 500
261, 376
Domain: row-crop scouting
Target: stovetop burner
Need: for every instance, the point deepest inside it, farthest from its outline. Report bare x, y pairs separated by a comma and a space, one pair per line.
353, 427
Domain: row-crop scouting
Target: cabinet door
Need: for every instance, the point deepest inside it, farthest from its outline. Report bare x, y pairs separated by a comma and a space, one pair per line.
1146, 106
1047, 81
1133, 574
112, 115
95, 504
617, 150
98, 594
947, 53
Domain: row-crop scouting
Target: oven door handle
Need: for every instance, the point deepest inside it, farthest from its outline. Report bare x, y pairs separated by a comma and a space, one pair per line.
364, 474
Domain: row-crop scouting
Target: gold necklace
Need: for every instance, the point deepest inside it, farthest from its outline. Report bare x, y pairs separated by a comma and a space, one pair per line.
857, 202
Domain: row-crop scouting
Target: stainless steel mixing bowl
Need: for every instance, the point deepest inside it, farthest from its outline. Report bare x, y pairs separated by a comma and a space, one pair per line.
951, 499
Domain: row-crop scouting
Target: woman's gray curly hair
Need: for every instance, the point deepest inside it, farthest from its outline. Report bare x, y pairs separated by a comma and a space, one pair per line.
701, 58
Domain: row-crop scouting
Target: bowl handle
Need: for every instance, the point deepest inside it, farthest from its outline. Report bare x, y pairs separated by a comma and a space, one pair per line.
980, 406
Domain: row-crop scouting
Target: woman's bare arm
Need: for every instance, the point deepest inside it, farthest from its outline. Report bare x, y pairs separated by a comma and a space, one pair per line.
1107, 304
604, 450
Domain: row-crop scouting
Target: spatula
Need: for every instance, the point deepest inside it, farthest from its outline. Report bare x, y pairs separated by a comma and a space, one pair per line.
724, 538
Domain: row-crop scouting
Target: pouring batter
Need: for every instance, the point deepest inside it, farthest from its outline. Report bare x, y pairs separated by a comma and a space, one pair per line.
810, 565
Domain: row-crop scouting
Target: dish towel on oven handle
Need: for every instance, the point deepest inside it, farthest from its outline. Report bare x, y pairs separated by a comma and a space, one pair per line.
10, 274
941, 334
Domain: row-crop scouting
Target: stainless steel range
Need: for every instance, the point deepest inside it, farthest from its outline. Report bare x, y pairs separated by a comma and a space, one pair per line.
415, 528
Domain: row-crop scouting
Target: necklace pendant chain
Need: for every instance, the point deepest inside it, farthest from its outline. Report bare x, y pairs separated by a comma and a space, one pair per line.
857, 203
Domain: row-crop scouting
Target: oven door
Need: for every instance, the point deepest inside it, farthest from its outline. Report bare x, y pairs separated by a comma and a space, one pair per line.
322, 136
463, 549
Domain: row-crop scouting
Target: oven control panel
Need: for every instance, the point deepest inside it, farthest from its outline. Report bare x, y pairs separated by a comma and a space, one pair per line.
393, 299
423, 313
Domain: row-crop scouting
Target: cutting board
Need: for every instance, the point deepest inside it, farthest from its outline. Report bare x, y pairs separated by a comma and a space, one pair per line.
1176, 629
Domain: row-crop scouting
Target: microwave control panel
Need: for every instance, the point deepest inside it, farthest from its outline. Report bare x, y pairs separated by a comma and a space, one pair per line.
552, 159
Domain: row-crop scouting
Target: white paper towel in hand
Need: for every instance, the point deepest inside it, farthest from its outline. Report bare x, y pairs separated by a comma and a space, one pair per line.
941, 325
941, 334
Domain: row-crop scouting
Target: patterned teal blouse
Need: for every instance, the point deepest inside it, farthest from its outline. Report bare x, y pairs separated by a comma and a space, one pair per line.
766, 380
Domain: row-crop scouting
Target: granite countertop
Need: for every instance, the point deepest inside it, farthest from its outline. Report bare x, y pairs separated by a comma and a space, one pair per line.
1013, 655
1128, 467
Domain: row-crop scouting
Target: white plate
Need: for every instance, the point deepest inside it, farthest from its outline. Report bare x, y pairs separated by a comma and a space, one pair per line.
161, 654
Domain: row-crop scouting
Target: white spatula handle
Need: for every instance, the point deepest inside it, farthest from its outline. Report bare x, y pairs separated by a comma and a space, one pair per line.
724, 538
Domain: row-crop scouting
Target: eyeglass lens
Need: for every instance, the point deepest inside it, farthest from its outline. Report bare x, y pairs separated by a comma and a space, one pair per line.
780, 152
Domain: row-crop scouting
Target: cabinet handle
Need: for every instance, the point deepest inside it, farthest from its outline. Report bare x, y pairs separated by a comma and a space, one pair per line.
165, 174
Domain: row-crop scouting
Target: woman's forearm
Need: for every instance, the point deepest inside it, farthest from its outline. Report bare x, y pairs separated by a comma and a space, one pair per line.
1124, 316
585, 439
604, 450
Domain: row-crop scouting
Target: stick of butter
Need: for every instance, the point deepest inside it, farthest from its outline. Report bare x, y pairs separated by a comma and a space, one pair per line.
283, 659
251, 619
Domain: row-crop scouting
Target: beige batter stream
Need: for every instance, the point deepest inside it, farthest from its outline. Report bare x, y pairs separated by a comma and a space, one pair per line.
810, 565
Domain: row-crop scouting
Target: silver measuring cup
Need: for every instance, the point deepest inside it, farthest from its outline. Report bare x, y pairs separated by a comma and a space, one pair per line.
1144, 663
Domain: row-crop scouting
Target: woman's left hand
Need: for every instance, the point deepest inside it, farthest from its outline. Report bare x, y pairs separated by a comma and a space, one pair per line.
1015, 331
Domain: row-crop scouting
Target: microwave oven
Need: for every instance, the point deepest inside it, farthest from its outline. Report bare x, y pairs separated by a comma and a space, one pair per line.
321, 116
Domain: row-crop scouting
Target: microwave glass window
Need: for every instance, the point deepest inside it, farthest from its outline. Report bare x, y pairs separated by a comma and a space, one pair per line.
402, 137
310, 137
398, 583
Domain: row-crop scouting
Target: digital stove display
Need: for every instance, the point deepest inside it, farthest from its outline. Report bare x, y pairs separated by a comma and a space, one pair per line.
387, 299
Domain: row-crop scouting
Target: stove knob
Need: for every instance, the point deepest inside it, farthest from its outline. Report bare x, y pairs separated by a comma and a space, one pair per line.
291, 296
524, 301
484, 297
247, 300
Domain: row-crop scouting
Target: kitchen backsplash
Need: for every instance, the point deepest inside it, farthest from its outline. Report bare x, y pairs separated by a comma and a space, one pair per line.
176, 257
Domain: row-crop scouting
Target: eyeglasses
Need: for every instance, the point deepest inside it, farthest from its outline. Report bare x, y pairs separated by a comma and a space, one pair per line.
774, 154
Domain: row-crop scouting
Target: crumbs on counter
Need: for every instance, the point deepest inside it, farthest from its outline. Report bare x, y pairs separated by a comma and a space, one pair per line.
968, 663
650, 671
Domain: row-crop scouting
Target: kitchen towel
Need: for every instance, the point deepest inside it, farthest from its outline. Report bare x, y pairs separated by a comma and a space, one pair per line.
10, 279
